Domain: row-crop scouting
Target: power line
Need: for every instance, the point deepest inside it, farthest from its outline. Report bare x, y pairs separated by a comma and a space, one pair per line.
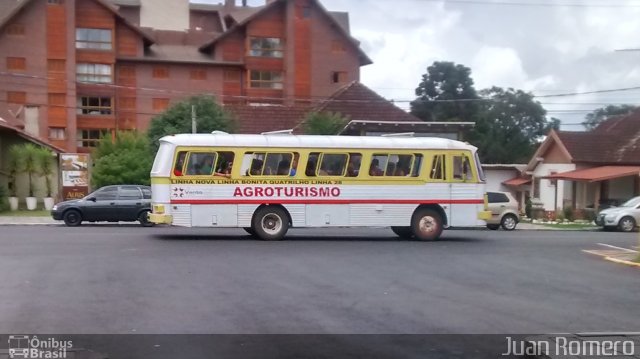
535, 4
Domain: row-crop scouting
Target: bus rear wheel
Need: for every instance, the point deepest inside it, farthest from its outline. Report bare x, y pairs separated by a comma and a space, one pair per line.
249, 230
426, 224
403, 232
270, 223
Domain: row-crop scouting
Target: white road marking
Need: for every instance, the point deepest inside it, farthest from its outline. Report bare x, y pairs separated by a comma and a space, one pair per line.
620, 248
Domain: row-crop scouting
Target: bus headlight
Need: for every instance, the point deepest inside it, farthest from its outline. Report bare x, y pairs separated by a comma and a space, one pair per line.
158, 208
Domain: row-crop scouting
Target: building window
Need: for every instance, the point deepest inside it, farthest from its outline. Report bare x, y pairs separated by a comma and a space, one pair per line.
56, 133
160, 72
98, 39
231, 75
56, 65
99, 73
265, 47
198, 74
16, 63
97, 106
266, 79
160, 104
89, 138
338, 77
17, 97
14, 30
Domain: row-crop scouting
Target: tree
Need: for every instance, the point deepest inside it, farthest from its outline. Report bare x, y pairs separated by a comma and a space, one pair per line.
324, 123
30, 164
46, 163
509, 125
446, 93
593, 119
125, 160
177, 119
14, 167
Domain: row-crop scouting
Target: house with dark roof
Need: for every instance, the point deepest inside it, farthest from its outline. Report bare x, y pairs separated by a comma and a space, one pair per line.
91, 67
586, 170
368, 114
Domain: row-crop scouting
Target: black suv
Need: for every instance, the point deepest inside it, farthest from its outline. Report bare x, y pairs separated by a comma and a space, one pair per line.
126, 203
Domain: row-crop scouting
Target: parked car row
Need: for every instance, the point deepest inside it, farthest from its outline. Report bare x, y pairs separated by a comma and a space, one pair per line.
122, 203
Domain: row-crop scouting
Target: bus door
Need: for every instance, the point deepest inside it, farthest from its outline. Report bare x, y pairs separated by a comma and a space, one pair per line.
463, 189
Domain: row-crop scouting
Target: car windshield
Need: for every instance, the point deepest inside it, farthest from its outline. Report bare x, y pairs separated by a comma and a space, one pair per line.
632, 202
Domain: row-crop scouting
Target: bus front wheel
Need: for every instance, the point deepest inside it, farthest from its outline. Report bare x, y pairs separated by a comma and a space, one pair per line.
249, 230
426, 224
270, 223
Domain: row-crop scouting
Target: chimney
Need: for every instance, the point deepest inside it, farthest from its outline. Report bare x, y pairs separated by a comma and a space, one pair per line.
229, 4
244, 3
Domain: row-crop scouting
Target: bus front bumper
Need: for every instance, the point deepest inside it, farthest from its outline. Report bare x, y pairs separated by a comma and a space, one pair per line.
484, 215
160, 218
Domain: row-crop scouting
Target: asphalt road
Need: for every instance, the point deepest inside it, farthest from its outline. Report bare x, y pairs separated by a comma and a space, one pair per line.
128, 279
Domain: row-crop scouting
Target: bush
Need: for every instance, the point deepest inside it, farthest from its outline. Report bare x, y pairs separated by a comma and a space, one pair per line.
4, 201
560, 217
568, 213
589, 214
528, 206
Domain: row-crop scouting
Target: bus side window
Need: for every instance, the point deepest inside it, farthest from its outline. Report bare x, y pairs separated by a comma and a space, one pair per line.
437, 168
333, 164
178, 168
312, 164
461, 168
378, 162
201, 163
399, 165
417, 165
257, 164
225, 164
353, 167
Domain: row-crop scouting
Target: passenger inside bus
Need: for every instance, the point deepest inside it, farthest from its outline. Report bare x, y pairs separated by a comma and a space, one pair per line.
375, 170
177, 170
283, 168
256, 167
294, 166
205, 166
310, 171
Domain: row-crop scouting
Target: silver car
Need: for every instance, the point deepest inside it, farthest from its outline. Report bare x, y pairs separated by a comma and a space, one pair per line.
504, 211
625, 218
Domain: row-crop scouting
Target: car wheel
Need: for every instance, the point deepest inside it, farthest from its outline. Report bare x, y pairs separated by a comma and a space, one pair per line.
143, 218
72, 218
493, 227
402, 232
270, 223
509, 222
426, 224
249, 230
627, 224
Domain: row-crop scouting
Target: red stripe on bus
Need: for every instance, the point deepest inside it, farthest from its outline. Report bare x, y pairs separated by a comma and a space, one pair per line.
326, 201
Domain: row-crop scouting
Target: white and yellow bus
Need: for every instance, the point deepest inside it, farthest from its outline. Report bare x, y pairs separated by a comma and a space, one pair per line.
269, 183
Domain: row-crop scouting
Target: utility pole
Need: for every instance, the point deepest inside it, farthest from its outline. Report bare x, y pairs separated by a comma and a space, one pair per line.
193, 119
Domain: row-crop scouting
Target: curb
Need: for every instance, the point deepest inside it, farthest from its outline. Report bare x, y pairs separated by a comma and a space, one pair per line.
608, 257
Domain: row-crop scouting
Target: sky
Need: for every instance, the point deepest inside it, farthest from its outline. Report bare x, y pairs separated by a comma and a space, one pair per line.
546, 47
